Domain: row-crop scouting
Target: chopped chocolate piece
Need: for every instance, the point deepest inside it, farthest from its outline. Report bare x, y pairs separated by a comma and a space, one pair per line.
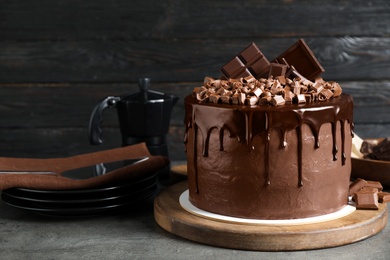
214, 98
257, 92
304, 92
302, 58
197, 90
248, 79
314, 96
221, 91
225, 99
296, 87
252, 100
238, 98
317, 87
308, 98
325, 94
300, 98
374, 184
366, 200
356, 186
282, 80
383, 197
265, 100
249, 62
288, 96
208, 80
336, 89
278, 101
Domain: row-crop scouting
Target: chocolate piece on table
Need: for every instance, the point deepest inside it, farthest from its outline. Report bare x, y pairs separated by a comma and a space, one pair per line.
250, 61
367, 146
366, 200
357, 185
383, 197
374, 184
302, 58
381, 151
367, 189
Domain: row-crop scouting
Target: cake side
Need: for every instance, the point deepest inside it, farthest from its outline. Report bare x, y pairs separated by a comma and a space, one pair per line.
267, 162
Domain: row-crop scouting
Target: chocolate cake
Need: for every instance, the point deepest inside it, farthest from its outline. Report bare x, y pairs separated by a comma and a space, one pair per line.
271, 141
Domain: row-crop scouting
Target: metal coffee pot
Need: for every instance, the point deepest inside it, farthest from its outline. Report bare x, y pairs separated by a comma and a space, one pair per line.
143, 117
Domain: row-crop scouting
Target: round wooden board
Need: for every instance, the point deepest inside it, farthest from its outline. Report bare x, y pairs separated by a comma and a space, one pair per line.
173, 218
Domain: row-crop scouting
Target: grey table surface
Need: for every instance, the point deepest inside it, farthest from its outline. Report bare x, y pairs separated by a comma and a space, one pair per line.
134, 234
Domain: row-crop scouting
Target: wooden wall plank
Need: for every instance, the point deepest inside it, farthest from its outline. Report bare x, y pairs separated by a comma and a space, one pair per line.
59, 58
343, 58
62, 142
64, 105
71, 105
123, 19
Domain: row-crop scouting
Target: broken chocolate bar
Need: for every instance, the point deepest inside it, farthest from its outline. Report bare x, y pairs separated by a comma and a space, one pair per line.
380, 151
250, 61
366, 199
235, 69
302, 58
367, 194
356, 186
383, 197
374, 184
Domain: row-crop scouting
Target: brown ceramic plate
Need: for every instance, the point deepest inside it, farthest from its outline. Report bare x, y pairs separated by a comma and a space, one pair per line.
373, 170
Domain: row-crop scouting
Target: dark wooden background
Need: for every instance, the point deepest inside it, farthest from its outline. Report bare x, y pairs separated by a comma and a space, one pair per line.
59, 58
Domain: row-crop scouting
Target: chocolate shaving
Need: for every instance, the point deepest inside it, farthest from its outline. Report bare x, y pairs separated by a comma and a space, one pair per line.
251, 91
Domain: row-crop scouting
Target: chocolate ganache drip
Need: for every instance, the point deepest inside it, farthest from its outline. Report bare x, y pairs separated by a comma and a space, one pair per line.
246, 122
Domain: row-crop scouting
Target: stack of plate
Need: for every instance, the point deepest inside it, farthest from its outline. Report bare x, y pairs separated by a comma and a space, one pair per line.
83, 201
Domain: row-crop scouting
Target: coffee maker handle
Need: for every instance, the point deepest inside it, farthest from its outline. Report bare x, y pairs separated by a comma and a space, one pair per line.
96, 120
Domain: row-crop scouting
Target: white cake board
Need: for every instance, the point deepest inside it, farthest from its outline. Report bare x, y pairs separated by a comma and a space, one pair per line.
188, 206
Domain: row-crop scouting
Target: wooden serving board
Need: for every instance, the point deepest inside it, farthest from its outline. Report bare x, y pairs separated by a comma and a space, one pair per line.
173, 218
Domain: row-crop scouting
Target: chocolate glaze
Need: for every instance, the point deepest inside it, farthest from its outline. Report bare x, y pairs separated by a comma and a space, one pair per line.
245, 123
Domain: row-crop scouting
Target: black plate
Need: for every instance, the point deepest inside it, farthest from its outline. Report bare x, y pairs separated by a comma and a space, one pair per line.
83, 194
89, 209
80, 202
